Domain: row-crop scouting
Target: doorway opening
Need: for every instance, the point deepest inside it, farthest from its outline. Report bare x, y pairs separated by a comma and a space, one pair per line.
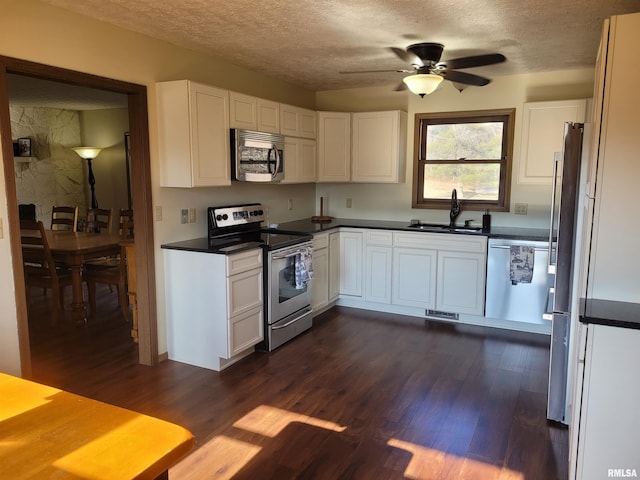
136, 102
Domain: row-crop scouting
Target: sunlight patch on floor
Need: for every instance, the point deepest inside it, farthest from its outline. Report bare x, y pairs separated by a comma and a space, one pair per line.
427, 463
270, 421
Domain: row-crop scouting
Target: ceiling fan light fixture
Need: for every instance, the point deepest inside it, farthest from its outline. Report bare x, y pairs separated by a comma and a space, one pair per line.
422, 83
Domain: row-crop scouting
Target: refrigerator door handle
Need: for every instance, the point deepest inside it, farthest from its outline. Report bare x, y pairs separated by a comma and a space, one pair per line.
551, 265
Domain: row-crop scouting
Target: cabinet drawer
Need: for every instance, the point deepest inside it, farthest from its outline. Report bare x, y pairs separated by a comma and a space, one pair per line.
441, 241
246, 330
244, 292
379, 237
241, 262
320, 240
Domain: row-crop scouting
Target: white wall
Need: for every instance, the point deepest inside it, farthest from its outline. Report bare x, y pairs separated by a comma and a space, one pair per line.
393, 202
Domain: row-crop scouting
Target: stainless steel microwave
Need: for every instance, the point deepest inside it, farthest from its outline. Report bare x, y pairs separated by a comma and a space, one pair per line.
256, 156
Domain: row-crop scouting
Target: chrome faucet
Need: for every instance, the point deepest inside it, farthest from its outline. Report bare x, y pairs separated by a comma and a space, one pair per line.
455, 208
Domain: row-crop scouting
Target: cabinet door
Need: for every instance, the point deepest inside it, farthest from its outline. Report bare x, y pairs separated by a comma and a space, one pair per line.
378, 145
414, 277
609, 423
334, 147
461, 280
307, 158
243, 111
351, 263
543, 134
320, 291
246, 330
307, 123
268, 114
193, 140
377, 274
299, 160
334, 265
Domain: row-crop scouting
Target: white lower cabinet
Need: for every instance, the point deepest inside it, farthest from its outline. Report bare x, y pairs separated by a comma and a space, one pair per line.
334, 265
414, 277
444, 272
608, 422
461, 281
214, 306
351, 262
320, 289
377, 266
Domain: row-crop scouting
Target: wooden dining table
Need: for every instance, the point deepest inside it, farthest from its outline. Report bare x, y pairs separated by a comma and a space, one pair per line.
50, 433
74, 249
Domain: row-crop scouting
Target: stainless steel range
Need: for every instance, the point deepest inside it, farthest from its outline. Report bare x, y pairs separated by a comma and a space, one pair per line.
287, 267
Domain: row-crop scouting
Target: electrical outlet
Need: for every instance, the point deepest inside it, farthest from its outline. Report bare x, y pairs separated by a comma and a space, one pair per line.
290, 204
158, 213
521, 208
184, 215
349, 202
192, 215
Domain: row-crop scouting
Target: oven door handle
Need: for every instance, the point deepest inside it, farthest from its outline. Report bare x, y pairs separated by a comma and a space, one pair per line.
288, 255
291, 321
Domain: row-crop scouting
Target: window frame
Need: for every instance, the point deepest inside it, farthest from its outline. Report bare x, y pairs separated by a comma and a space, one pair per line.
422, 120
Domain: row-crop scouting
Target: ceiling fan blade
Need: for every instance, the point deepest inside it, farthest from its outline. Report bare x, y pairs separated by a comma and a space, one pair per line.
465, 78
474, 61
379, 71
407, 57
400, 87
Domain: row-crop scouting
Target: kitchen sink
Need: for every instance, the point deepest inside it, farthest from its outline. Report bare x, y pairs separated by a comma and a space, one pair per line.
439, 227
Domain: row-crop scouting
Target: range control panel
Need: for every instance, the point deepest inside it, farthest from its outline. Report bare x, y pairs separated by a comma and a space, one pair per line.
223, 217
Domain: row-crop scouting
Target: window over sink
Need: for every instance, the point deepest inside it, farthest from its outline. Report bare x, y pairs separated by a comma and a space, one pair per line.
469, 151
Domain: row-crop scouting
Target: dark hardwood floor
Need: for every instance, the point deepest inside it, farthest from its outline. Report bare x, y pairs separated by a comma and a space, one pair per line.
363, 395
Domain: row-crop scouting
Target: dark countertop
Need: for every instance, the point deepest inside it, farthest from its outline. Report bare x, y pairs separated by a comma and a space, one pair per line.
202, 245
307, 226
610, 313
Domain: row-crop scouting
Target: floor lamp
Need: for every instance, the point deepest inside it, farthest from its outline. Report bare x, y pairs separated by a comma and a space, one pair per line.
90, 153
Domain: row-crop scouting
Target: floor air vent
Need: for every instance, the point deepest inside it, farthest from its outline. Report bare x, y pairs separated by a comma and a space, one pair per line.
438, 313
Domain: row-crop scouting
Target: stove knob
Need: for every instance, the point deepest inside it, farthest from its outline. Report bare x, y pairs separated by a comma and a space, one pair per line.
218, 217
260, 212
225, 217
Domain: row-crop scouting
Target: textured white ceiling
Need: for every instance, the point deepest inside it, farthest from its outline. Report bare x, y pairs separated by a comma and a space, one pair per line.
308, 42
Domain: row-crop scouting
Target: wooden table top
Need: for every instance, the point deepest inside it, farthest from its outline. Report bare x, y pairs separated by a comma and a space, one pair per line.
80, 242
50, 433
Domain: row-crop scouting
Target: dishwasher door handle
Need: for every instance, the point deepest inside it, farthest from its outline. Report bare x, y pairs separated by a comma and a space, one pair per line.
548, 312
508, 247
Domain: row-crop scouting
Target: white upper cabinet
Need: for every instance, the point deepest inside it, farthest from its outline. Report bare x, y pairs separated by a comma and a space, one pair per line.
252, 113
193, 134
543, 134
300, 160
334, 146
378, 147
365, 147
297, 121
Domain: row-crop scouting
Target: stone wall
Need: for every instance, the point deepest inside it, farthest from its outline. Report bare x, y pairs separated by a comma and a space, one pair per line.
55, 174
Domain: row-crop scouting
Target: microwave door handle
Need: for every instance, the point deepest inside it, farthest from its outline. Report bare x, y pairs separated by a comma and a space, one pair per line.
277, 154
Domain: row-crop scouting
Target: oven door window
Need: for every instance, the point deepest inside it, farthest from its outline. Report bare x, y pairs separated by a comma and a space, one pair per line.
287, 287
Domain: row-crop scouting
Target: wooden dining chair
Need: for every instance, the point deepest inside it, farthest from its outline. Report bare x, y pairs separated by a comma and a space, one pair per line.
99, 220
40, 270
64, 218
112, 270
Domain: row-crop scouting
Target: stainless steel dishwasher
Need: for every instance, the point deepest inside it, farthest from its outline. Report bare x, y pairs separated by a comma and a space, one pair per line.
522, 302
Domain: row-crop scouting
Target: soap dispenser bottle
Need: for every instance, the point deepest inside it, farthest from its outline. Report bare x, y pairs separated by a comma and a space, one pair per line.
486, 221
